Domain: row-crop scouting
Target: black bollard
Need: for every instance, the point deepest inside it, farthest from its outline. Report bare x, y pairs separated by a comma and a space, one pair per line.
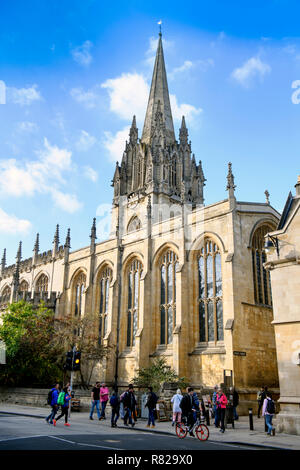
207, 417
251, 419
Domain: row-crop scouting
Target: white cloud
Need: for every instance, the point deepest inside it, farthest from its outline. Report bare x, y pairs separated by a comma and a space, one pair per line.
85, 141
86, 98
45, 175
252, 68
82, 55
10, 224
90, 174
67, 202
23, 96
115, 144
187, 65
128, 95
187, 110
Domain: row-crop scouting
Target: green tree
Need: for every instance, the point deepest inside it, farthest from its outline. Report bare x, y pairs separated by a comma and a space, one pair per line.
31, 355
156, 375
37, 341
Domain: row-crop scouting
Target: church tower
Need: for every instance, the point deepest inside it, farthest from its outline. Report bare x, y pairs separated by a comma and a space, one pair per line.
157, 164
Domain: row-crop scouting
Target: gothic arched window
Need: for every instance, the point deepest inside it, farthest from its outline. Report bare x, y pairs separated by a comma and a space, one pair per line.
5, 296
78, 292
168, 264
134, 224
133, 300
23, 286
42, 284
261, 277
210, 302
105, 279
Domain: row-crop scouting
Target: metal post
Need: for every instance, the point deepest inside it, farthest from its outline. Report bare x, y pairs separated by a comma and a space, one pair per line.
71, 383
251, 419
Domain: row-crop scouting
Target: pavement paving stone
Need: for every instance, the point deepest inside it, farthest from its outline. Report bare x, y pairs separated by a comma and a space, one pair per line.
240, 434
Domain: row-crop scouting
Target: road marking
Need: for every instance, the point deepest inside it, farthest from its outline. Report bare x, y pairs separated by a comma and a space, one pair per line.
88, 445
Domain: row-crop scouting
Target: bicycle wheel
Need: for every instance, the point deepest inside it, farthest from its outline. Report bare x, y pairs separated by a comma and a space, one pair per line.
181, 430
202, 432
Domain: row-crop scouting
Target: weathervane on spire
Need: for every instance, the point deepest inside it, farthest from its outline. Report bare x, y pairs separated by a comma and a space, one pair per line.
160, 22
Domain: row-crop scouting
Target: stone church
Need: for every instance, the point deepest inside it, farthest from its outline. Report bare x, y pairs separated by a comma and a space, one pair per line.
175, 278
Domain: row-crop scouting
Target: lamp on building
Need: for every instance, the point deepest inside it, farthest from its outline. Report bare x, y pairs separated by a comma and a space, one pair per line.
271, 244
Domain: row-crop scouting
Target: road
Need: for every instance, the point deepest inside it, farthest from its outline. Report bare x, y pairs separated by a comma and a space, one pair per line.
28, 433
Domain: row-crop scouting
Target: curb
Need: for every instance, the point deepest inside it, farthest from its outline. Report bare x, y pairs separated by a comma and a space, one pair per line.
157, 431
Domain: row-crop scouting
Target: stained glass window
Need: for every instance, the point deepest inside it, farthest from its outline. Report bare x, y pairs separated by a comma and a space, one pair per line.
42, 284
105, 279
168, 265
134, 276
210, 293
261, 277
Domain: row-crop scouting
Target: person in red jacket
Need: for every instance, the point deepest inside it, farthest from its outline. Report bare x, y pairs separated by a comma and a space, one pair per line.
221, 404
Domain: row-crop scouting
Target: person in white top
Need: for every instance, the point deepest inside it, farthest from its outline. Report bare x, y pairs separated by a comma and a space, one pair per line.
176, 399
268, 412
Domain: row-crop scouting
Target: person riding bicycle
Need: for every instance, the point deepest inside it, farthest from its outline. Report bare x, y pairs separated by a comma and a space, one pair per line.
188, 407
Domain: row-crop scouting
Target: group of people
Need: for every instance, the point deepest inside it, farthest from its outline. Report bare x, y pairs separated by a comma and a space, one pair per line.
124, 405
59, 398
184, 406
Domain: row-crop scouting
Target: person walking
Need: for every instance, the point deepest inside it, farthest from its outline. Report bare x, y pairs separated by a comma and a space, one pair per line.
104, 396
261, 395
215, 407
221, 404
187, 408
177, 411
268, 412
53, 403
64, 406
151, 404
129, 403
95, 395
196, 405
235, 402
115, 408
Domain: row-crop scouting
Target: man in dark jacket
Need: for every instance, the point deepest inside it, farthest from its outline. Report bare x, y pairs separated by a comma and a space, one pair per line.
188, 407
129, 403
235, 402
151, 404
54, 406
115, 407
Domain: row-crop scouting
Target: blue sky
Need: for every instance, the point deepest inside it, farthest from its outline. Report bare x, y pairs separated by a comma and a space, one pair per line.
75, 72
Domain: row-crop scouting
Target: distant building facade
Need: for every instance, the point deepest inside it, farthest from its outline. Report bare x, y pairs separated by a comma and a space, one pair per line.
284, 267
175, 278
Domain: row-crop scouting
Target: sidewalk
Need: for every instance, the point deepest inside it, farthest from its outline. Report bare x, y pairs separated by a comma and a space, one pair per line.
241, 433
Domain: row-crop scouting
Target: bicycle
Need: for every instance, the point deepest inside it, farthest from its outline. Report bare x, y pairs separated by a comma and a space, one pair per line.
201, 430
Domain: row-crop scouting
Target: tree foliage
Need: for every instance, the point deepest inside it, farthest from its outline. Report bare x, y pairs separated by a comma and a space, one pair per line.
156, 375
37, 341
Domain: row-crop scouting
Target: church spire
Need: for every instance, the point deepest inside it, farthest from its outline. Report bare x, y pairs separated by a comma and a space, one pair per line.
159, 92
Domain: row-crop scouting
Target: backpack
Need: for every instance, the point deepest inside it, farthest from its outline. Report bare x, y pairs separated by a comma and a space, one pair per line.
61, 398
49, 399
270, 407
114, 401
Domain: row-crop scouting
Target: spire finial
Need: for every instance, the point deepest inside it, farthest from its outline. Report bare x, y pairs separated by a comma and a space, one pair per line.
56, 236
267, 194
160, 23
93, 230
3, 261
68, 240
37, 243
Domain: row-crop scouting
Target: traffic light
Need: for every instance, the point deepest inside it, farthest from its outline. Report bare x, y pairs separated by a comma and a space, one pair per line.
77, 357
69, 361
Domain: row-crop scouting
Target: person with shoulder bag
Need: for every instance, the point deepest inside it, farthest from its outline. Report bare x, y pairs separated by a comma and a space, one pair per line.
64, 400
